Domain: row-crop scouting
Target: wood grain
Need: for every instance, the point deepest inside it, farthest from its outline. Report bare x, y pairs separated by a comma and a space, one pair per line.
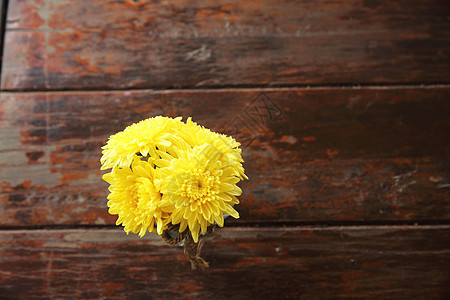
54, 44
269, 263
343, 154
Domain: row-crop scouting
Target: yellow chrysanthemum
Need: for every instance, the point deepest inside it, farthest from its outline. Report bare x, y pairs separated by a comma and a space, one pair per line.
230, 154
135, 199
144, 138
198, 188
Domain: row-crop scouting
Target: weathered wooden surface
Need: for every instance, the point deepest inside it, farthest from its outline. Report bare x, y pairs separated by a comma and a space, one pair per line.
373, 155
60, 44
311, 154
246, 263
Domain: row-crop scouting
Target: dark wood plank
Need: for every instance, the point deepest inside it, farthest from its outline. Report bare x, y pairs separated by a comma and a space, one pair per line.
246, 263
56, 44
315, 154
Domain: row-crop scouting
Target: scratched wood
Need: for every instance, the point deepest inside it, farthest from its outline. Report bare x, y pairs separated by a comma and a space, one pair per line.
245, 263
342, 154
62, 44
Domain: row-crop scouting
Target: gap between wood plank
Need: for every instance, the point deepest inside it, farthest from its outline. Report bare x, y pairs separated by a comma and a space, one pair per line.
255, 225
386, 85
3, 12
247, 228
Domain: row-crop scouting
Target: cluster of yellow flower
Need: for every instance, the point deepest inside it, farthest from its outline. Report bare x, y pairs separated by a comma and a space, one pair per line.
166, 171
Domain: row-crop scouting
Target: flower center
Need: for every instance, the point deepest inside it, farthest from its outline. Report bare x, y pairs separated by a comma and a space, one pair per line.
200, 186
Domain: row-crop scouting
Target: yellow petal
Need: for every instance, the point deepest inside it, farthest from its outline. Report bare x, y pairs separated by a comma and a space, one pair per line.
236, 191
177, 216
219, 220
187, 214
225, 187
204, 225
183, 225
205, 211
194, 231
159, 226
232, 212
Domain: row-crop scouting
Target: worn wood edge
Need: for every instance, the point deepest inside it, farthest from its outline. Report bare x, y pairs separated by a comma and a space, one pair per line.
3, 11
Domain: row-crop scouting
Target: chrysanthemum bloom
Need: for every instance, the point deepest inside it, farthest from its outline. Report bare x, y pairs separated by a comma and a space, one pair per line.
135, 199
226, 148
141, 138
198, 187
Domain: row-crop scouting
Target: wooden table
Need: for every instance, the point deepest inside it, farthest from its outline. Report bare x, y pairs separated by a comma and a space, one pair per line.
342, 108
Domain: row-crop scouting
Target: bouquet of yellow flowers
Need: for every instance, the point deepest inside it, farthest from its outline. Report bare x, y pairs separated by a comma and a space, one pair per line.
172, 176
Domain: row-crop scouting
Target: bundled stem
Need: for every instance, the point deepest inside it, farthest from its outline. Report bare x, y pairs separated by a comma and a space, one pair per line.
191, 248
